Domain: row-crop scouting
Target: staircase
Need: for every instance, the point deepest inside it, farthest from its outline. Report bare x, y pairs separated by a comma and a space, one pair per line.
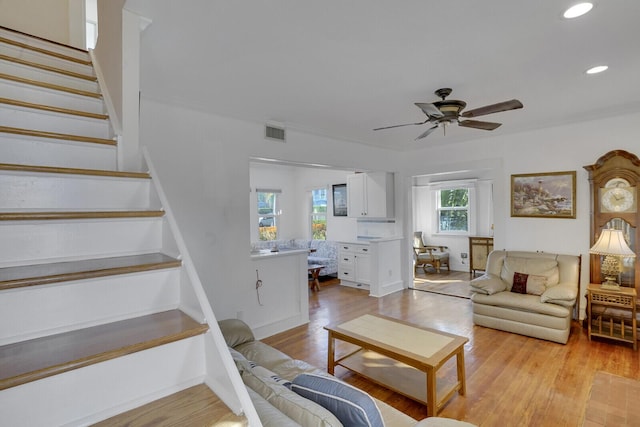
102, 316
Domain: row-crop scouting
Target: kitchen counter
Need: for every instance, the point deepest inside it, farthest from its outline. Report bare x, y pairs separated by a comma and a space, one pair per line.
267, 253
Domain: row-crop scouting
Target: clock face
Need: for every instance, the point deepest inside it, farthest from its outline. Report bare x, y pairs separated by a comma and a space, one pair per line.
617, 196
617, 200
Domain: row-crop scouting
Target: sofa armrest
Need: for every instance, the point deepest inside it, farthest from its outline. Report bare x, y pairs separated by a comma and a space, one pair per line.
488, 284
564, 294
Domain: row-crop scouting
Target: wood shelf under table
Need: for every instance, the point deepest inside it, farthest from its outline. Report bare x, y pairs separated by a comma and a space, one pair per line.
402, 379
611, 314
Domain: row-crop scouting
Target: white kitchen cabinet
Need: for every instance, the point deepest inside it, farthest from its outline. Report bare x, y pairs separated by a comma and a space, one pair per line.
354, 265
370, 195
374, 265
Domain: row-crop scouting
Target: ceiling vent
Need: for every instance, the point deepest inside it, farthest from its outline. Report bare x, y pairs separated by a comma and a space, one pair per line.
274, 132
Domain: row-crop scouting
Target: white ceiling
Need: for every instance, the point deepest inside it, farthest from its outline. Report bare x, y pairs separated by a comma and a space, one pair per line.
341, 68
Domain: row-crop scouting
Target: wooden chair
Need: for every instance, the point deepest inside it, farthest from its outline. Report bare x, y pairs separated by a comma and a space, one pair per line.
426, 255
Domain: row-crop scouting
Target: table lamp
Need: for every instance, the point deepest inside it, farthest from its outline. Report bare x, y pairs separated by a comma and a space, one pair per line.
612, 245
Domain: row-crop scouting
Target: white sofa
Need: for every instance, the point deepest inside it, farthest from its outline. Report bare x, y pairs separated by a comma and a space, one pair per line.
550, 283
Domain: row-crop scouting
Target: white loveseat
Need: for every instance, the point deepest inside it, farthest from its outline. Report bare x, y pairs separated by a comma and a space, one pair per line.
550, 283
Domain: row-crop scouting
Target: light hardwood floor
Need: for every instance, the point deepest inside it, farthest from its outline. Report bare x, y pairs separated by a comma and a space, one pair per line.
512, 380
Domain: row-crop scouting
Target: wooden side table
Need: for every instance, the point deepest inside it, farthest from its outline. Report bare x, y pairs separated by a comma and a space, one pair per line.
479, 250
612, 314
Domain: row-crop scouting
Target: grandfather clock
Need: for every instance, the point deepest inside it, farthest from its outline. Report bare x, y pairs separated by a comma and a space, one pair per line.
615, 181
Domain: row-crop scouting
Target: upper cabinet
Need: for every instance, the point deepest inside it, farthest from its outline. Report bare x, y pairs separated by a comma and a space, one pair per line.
370, 195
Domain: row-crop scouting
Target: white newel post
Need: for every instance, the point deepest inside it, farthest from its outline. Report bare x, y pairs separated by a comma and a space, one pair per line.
129, 156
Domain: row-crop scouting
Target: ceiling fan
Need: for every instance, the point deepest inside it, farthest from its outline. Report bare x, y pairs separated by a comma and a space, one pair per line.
445, 112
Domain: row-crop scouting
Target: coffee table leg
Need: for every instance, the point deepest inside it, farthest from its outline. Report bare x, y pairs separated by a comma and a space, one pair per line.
432, 397
331, 354
462, 379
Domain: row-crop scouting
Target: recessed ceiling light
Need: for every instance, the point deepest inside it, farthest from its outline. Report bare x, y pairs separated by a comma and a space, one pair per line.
597, 69
578, 10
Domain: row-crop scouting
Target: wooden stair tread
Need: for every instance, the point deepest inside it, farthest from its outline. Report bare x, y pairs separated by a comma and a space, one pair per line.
55, 135
49, 68
51, 108
71, 215
53, 42
50, 86
194, 406
73, 171
41, 274
44, 51
39, 358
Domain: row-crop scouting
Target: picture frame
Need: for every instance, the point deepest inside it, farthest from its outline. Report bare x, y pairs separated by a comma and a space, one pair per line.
544, 195
340, 200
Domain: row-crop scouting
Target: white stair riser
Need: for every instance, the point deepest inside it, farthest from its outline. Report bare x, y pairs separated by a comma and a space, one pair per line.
26, 242
45, 96
32, 73
28, 118
60, 192
51, 152
44, 44
37, 311
41, 58
87, 395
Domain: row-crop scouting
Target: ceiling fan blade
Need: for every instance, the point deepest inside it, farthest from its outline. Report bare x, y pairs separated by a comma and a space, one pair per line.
476, 124
406, 124
427, 132
513, 104
429, 109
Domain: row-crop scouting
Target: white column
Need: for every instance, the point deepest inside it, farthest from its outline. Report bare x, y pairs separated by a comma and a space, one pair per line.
129, 156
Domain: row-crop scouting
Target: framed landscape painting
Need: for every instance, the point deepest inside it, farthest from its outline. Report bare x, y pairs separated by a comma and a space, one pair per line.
544, 195
340, 200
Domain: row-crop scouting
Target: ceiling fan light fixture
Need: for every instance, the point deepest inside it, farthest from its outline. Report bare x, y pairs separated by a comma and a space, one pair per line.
577, 10
597, 69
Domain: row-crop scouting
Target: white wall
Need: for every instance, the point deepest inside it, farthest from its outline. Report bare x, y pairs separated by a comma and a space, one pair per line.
108, 50
561, 148
56, 20
203, 165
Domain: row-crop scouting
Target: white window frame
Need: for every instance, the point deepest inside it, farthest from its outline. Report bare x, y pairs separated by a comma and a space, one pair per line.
319, 214
276, 212
470, 186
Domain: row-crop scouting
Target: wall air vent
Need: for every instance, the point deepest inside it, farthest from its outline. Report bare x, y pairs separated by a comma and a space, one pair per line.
275, 133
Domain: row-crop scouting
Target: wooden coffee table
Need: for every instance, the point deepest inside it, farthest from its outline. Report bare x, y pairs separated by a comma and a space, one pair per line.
400, 356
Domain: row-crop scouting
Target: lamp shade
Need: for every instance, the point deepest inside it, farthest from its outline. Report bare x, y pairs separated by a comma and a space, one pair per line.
611, 242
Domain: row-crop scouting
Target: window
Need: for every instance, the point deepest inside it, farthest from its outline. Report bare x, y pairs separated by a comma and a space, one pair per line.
268, 214
453, 210
319, 214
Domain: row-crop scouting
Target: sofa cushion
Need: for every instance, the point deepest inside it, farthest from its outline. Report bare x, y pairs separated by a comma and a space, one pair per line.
528, 284
263, 354
519, 283
562, 294
531, 303
353, 407
272, 388
318, 260
269, 415
536, 285
236, 355
547, 267
235, 332
488, 284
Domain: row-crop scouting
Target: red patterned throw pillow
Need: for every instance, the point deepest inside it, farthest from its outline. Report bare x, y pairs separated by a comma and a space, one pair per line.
519, 283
